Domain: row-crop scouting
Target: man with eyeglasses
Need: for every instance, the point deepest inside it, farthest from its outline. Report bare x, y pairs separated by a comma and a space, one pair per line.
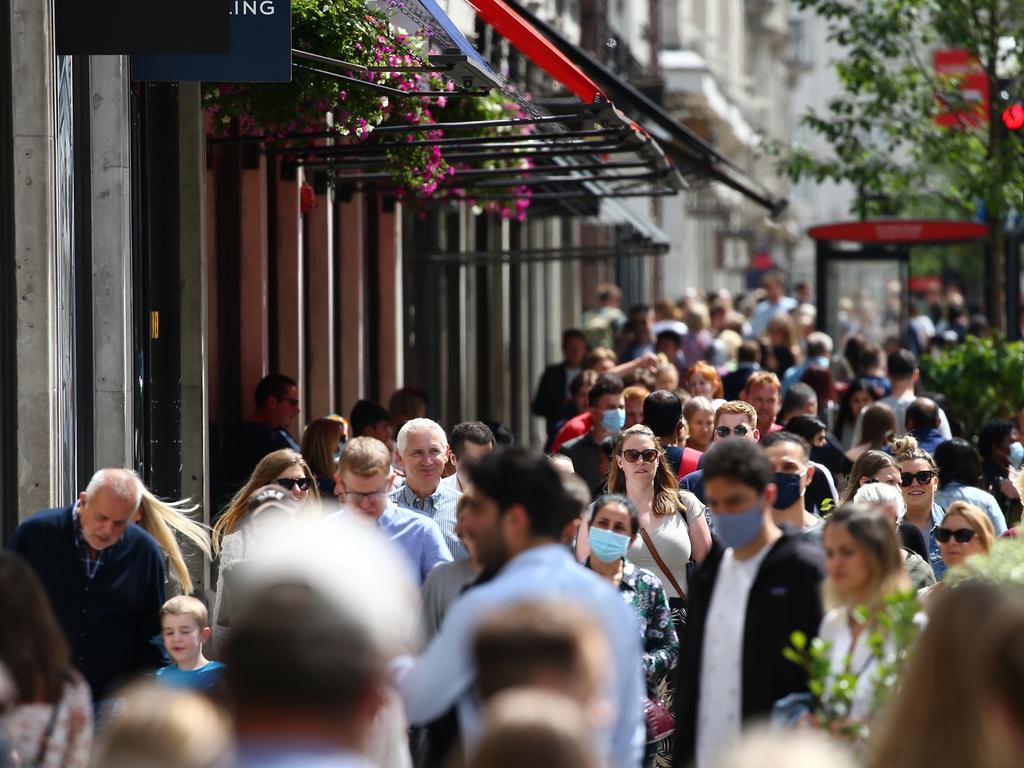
362, 489
736, 418
277, 405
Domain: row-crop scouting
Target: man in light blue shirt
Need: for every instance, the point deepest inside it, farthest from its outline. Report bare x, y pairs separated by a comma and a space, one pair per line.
959, 476
423, 448
363, 471
775, 303
520, 508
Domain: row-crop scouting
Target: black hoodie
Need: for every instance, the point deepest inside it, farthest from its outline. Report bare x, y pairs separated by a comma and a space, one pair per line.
785, 596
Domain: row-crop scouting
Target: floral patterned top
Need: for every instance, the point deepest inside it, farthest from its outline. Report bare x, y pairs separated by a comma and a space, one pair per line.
642, 590
70, 739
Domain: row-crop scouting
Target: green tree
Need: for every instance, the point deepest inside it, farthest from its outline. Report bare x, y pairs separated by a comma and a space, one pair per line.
882, 128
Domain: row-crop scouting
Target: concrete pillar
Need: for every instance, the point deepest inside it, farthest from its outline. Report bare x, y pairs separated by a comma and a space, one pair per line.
320, 338
195, 420
290, 304
390, 343
351, 252
112, 326
34, 245
253, 321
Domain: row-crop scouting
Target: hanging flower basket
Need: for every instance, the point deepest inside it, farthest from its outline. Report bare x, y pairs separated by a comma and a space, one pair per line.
348, 30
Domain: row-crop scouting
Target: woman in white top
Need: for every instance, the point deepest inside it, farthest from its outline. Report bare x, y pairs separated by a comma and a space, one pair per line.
864, 564
672, 520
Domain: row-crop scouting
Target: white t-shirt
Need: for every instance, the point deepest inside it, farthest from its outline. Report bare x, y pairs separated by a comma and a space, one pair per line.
719, 708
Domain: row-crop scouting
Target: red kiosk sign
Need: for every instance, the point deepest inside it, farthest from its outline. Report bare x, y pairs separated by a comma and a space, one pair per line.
900, 231
972, 89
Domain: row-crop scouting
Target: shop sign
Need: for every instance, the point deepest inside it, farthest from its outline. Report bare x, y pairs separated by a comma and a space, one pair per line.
260, 49
99, 27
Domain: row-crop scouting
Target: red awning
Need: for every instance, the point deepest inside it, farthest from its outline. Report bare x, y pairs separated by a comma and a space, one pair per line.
537, 48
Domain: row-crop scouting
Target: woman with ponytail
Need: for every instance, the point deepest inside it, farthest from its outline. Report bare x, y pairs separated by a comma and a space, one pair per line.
162, 520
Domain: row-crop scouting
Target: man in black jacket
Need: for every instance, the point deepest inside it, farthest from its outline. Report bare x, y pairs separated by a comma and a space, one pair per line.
553, 390
757, 586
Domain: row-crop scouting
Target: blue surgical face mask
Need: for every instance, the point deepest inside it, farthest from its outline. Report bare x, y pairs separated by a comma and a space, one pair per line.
740, 529
789, 490
606, 545
1016, 455
614, 420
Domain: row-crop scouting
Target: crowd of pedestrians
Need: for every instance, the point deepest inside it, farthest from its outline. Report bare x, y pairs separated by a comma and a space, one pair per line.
720, 485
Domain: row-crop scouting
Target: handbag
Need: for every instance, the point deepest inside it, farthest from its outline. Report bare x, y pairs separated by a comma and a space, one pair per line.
660, 722
658, 717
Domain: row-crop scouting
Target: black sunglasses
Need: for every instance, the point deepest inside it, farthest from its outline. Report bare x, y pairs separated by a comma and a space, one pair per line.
302, 483
924, 476
962, 535
632, 456
739, 431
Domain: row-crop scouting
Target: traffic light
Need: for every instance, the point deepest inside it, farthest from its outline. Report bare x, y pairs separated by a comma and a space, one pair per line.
1013, 116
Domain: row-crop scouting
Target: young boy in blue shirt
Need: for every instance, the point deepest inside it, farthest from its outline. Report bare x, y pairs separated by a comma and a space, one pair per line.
185, 626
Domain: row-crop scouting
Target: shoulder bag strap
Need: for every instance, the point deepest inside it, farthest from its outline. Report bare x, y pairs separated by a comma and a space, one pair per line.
47, 734
661, 563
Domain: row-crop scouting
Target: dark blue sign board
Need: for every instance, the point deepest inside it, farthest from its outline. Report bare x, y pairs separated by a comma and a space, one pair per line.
261, 50
94, 27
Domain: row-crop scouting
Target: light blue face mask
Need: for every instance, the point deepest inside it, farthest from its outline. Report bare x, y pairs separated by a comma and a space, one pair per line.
614, 420
738, 530
1016, 454
606, 545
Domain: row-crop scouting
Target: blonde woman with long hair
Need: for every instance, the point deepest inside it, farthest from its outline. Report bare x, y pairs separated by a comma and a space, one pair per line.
165, 521
965, 530
864, 564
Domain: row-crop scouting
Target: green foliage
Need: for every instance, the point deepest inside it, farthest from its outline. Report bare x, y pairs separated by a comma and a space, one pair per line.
891, 631
1003, 565
881, 129
983, 378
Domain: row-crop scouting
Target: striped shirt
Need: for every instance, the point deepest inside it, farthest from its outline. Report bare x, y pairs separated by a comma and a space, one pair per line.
439, 507
90, 563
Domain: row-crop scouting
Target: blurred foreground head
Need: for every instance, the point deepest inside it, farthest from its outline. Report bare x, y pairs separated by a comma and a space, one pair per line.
164, 728
529, 727
786, 749
299, 666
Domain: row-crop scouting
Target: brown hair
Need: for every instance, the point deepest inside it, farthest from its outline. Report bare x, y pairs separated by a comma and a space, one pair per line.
976, 518
635, 392
785, 325
267, 472
878, 425
877, 538
184, 605
707, 371
763, 379
738, 408
365, 457
666, 486
598, 355
921, 728
319, 442
868, 464
527, 642
32, 645
906, 449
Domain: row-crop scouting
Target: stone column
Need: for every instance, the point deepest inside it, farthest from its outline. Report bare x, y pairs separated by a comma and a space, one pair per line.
320, 336
112, 327
291, 307
253, 322
34, 245
351, 252
390, 344
195, 447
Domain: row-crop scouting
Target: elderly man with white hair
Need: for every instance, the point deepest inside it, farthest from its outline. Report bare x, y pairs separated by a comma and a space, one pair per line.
889, 499
104, 577
423, 449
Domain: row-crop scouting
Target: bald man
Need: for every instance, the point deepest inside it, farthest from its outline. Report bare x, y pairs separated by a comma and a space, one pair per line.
104, 577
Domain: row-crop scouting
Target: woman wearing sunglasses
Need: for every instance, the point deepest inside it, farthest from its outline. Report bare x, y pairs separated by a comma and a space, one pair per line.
878, 467
919, 480
672, 524
965, 530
